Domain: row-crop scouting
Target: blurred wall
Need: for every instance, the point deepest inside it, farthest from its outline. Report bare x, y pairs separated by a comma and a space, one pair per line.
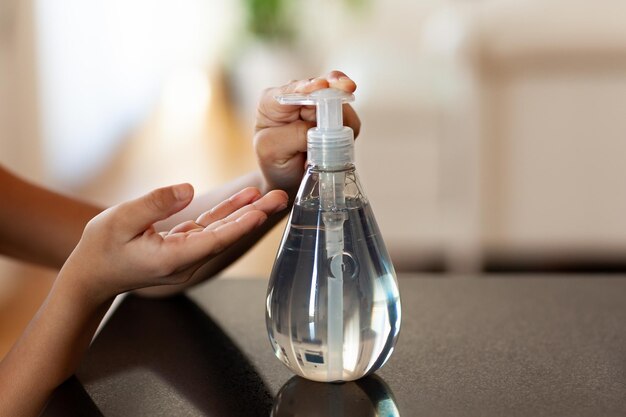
490, 127
539, 120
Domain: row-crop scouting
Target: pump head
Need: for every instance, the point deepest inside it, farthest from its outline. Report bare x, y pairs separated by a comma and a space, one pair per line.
330, 144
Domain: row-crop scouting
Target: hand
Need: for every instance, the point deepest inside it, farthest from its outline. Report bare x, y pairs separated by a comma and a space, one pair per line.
121, 251
280, 139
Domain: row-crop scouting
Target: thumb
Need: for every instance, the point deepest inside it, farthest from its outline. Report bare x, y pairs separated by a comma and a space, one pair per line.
135, 216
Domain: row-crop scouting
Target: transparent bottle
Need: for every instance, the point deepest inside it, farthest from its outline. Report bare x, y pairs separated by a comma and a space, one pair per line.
333, 306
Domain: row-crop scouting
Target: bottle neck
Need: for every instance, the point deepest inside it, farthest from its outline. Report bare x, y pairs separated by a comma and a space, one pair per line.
315, 167
342, 181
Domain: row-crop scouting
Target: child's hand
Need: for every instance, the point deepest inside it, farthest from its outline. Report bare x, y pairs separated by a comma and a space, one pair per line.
280, 139
121, 251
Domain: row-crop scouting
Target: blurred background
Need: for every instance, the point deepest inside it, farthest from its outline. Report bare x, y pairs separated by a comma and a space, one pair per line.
494, 132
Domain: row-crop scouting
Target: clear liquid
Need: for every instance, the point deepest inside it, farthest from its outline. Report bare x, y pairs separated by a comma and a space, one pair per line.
298, 303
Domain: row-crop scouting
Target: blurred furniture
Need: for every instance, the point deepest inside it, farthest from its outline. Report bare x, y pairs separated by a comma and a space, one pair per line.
494, 346
534, 136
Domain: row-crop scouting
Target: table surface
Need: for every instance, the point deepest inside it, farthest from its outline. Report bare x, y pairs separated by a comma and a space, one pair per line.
488, 346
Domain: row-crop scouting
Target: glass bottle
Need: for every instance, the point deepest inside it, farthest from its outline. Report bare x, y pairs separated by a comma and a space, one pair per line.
333, 306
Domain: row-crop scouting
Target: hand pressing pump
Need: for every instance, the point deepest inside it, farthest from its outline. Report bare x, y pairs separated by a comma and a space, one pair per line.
333, 307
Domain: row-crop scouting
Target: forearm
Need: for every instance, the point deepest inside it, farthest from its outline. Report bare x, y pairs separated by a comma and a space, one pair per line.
38, 225
51, 347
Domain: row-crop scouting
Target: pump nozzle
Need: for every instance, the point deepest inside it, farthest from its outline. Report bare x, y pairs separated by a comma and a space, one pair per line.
330, 144
328, 102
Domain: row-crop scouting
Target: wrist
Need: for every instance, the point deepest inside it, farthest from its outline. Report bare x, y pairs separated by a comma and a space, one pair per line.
82, 286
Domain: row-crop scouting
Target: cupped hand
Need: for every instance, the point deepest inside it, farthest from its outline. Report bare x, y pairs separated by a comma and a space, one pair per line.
280, 138
120, 250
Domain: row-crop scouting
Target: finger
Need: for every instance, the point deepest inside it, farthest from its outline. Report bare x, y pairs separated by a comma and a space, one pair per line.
270, 203
271, 113
308, 113
334, 79
351, 119
186, 248
182, 249
134, 217
188, 226
337, 79
226, 207
312, 84
281, 143
210, 242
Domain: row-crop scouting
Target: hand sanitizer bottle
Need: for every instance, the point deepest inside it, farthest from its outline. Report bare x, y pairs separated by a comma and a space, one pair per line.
333, 307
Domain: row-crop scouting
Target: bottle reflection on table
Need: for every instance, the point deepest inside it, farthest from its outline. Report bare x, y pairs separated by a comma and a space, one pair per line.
366, 397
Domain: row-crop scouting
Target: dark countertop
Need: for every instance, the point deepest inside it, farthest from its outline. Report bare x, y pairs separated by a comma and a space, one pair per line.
515, 346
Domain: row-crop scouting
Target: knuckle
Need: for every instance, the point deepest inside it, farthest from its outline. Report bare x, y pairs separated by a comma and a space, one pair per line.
263, 143
302, 128
100, 223
92, 225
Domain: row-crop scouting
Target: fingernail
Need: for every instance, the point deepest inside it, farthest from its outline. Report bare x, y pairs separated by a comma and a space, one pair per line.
261, 220
183, 192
